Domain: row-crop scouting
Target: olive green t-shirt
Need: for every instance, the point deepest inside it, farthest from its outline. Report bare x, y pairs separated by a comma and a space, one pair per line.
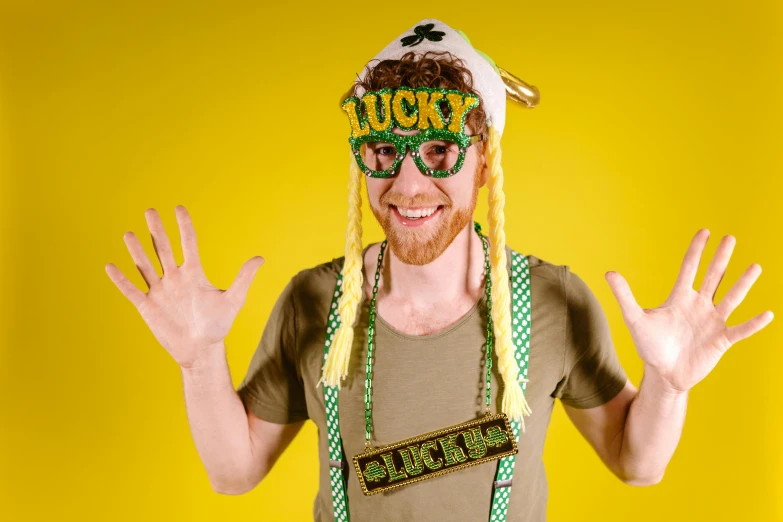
424, 383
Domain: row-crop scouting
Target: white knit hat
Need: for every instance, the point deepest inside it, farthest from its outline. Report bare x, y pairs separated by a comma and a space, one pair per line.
433, 35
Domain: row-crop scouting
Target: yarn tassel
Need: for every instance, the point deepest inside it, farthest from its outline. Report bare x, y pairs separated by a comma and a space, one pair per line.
513, 403
336, 366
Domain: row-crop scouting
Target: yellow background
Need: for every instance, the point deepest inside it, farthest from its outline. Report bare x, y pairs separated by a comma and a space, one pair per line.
655, 120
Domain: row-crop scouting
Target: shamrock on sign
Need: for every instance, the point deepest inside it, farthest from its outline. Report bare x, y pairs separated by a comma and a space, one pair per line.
422, 32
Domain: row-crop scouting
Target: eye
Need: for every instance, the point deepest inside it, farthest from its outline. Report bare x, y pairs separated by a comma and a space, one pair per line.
438, 148
381, 149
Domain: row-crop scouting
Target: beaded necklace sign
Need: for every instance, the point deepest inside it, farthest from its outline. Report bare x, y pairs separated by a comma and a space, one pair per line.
490, 437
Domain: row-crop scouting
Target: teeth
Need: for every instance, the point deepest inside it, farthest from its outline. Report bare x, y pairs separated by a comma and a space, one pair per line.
417, 213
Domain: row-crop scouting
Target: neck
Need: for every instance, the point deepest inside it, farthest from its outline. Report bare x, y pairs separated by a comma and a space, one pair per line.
456, 274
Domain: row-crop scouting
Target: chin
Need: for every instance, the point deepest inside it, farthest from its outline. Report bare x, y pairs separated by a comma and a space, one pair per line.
421, 243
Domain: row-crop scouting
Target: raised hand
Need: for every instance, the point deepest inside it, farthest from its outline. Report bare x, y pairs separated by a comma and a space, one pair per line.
684, 338
185, 312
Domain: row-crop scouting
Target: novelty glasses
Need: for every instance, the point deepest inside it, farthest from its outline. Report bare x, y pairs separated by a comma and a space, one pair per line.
437, 158
438, 149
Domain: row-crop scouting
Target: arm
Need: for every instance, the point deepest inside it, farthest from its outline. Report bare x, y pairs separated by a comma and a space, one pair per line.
635, 433
652, 431
680, 342
190, 317
238, 448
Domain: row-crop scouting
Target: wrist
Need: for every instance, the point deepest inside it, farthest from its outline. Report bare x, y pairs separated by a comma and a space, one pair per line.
661, 385
208, 357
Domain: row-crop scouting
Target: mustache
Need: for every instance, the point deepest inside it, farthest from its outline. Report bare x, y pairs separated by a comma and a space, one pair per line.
419, 200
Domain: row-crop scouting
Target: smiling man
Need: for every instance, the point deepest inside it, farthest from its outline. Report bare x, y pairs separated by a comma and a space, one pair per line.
431, 362
405, 352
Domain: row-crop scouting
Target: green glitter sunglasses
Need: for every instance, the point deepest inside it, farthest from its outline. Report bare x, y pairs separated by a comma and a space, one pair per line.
437, 153
438, 149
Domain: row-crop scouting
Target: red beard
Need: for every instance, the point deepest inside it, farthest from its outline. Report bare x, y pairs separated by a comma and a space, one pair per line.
422, 245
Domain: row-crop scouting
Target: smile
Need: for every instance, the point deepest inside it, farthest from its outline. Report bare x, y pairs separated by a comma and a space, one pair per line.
417, 216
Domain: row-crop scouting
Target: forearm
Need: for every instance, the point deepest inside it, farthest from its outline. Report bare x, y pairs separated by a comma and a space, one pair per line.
218, 423
652, 430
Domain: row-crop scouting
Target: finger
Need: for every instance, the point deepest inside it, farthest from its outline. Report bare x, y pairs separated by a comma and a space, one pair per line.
160, 241
187, 236
749, 327
127, 288
238, 290
140, 258
737, 293
622, 292
717, 268
690, 263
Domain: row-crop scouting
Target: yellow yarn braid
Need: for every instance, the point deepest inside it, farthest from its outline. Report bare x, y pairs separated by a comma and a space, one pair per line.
336, 366
514, 403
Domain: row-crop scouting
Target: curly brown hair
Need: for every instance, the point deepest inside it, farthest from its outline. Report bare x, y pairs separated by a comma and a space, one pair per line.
431, 69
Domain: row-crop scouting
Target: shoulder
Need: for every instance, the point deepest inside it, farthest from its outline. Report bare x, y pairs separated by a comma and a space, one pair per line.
317, 281
541, 269
311, 291
558, 291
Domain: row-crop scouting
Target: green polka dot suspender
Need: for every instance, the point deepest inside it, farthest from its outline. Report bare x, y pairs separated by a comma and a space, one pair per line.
521, 326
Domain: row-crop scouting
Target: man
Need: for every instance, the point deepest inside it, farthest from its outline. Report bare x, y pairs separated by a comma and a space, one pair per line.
400, 331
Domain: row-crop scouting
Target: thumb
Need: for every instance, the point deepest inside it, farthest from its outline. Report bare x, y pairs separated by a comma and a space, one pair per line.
622, 292
237, 292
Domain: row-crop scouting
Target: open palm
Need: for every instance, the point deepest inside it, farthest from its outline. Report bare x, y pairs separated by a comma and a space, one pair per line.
684, 338
184, 311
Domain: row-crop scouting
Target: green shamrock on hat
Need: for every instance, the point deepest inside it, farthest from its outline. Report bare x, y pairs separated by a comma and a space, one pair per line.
422, 32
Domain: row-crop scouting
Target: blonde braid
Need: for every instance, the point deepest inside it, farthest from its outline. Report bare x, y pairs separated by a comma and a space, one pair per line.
336, 366
514, 403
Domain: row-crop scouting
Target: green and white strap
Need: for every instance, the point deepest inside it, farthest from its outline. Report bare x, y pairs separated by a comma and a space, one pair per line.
521, 326
339, 493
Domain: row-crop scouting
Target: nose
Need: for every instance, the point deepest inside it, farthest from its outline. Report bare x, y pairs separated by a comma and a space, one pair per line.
409, 180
